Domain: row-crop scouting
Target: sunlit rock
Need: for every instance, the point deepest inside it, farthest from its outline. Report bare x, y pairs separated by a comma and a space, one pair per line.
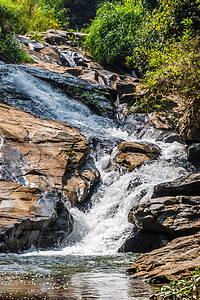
31, 217
132, 155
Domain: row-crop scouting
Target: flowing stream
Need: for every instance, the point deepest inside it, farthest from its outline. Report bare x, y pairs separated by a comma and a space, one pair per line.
87, 265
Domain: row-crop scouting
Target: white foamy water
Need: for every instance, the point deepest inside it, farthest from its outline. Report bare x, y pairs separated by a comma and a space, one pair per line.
104, 228
88, 264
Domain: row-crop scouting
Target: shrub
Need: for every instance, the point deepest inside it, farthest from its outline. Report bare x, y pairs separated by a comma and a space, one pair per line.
11, 50
29, 15
132, 29
111, 33
176, 69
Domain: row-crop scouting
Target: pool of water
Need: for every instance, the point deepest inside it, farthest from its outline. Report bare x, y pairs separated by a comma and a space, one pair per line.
69, 277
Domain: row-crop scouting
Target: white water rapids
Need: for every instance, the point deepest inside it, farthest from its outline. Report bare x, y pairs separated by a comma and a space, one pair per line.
102, 229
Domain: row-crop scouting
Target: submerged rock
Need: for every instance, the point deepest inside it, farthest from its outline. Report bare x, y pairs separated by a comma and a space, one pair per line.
31, 217
132, 155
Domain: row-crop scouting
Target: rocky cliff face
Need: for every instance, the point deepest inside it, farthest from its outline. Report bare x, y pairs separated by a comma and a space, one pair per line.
29, 216
43, 164
170, 220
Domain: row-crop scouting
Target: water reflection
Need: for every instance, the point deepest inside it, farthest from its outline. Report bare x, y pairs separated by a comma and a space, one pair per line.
69, 278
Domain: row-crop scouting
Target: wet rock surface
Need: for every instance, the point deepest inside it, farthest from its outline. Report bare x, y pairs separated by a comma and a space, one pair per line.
177, 259
170, 220
132, 155
31, 217
43, 164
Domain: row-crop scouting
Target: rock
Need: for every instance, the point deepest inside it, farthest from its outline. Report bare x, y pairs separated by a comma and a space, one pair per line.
78, 185
175, 216
144, 241
60, 37
185, 186
74, 71
124, 87
127, 98
29, 216
172, 137
36, 46
189, 124
23, 39
132, 155
193, 152
173, 211
44, 154
51, 54
177, 259
100, 99
73, 59
163, 121
57, 37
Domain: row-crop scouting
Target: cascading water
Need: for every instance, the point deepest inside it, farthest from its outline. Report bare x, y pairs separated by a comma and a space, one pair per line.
100, 231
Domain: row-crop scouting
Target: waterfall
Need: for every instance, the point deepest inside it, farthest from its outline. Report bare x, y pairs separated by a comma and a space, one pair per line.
102, 229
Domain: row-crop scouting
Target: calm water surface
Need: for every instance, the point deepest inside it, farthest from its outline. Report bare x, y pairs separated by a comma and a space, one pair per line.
71, 277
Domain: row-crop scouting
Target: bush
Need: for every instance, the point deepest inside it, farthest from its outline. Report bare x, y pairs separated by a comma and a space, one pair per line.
11, 51
175, 70
172, 19
132, 29
29, 15
111, 33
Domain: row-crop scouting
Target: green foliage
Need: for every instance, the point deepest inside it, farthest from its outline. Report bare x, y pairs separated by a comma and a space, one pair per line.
185, 289
175, 70
70, 153
132, 29
111, 33
173, 18
31, 15
11, 51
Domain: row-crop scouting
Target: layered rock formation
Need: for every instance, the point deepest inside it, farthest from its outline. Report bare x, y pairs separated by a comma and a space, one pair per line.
43, 164
132, 155
172, 215
57, 54
177, 259
29, 216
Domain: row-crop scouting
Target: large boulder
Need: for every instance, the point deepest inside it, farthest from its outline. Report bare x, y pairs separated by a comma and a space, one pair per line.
44, 154
175, 216
173, 211
189, 124
31, 217
43, 164
177, 259
132, 154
